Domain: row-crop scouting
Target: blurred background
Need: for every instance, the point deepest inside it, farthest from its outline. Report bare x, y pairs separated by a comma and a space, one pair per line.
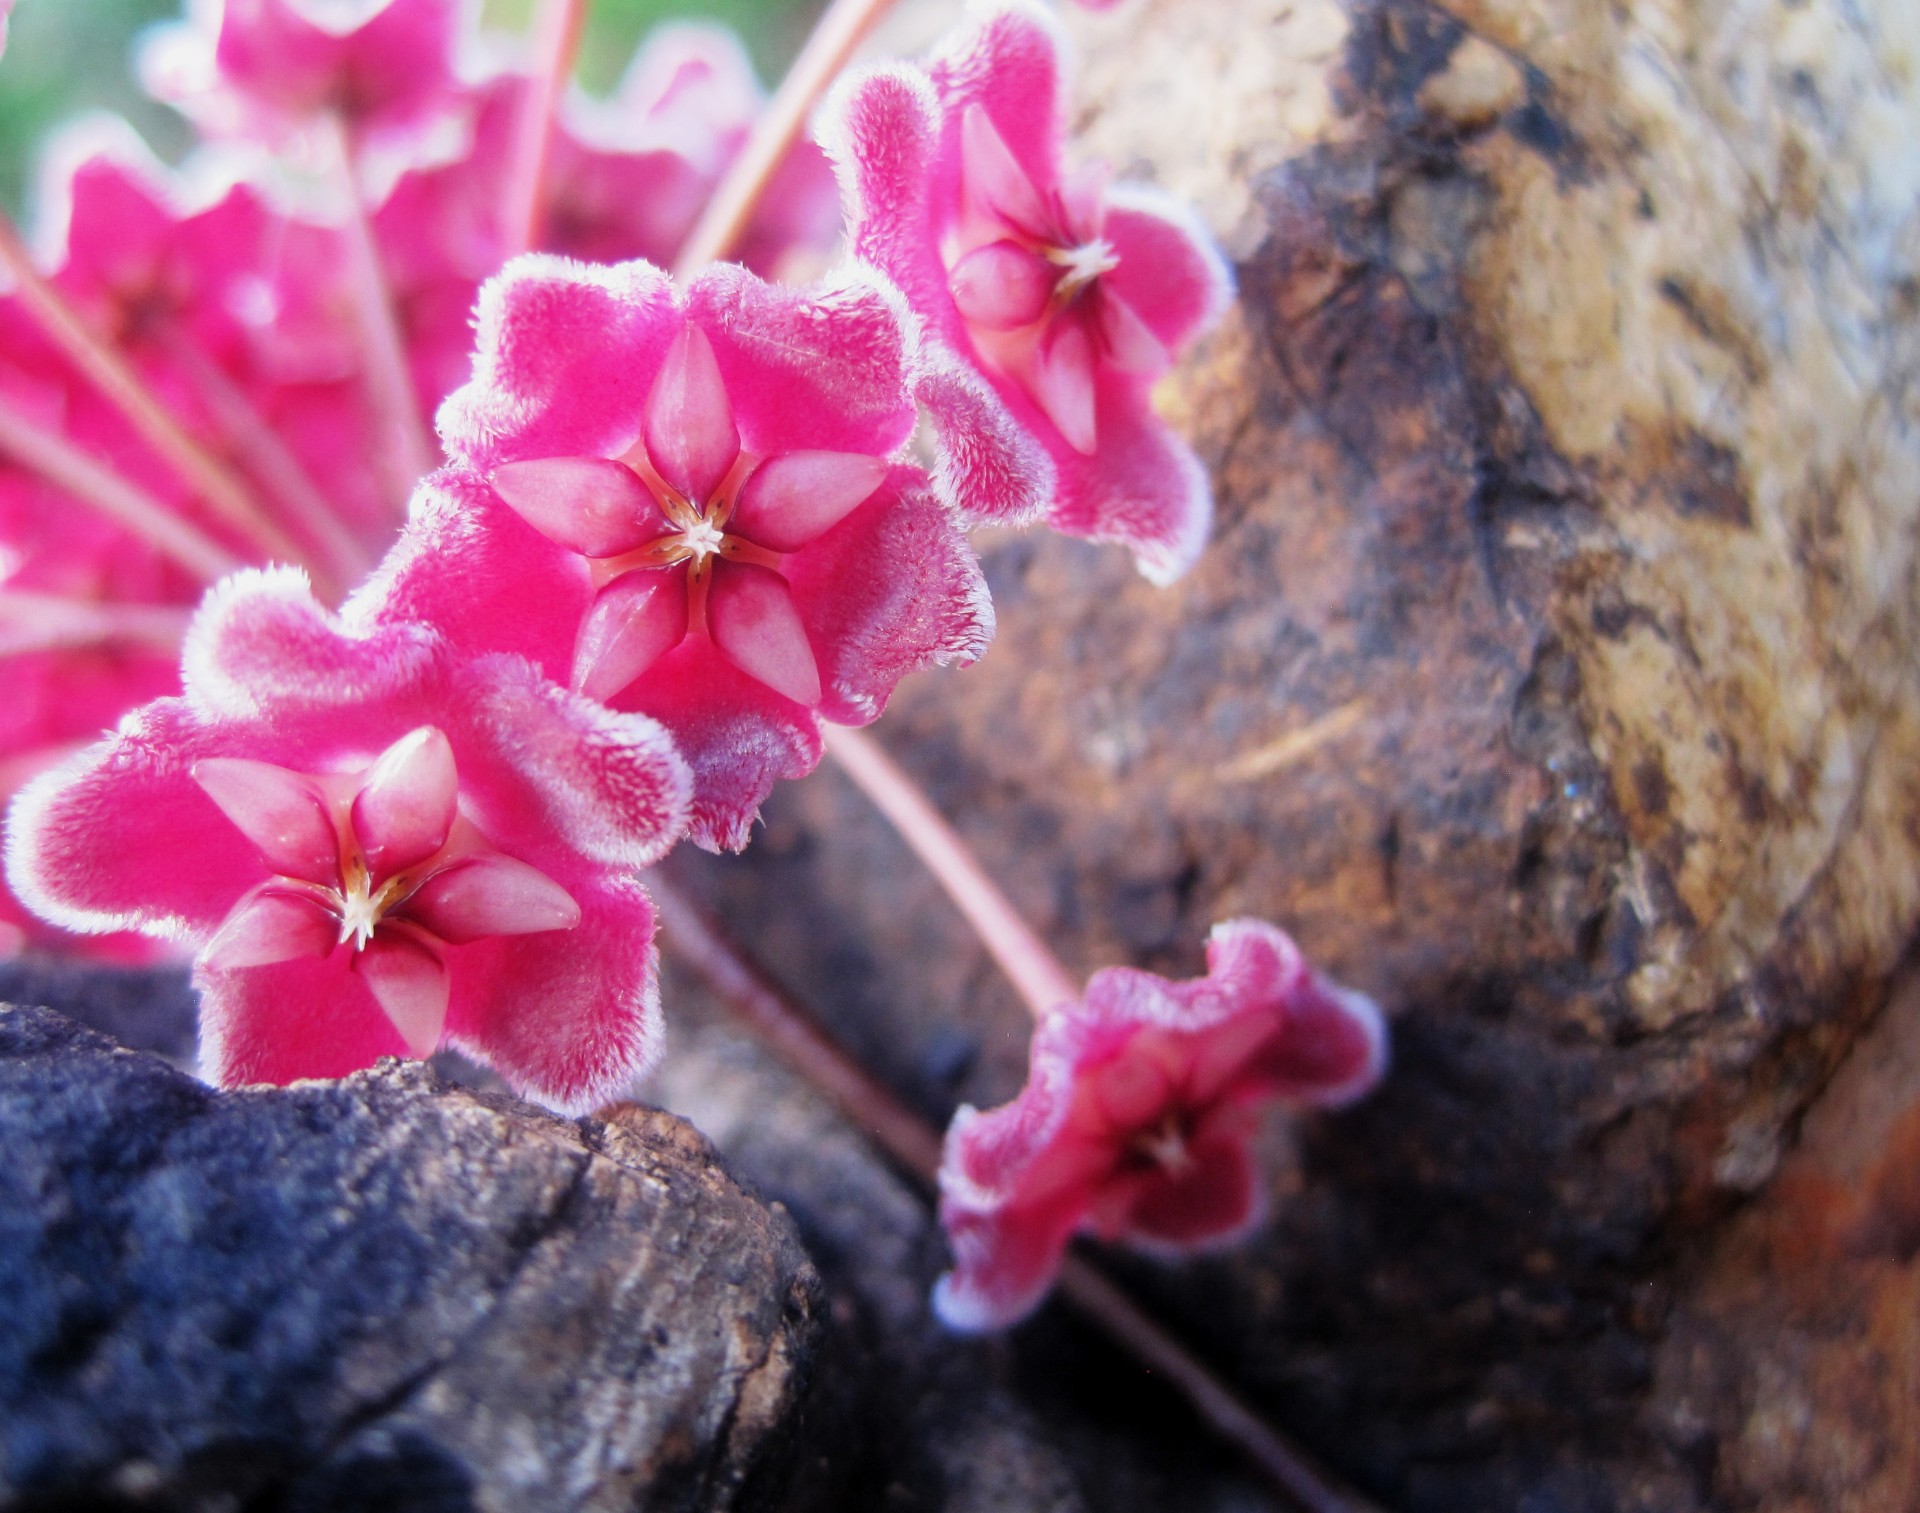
65, 56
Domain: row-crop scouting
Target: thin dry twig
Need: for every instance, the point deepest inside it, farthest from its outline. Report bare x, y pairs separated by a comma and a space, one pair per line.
108, 370
725, 219
48, 453
407, 448
1033, 969
557, 26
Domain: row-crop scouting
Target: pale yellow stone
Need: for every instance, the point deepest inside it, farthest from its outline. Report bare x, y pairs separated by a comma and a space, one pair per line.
1479, 84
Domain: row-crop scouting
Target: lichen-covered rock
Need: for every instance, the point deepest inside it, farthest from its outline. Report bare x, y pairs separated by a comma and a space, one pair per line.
381, 1292
1552, 676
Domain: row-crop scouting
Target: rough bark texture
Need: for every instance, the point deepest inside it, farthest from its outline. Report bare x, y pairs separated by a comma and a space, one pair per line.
1552, 675
381, 1293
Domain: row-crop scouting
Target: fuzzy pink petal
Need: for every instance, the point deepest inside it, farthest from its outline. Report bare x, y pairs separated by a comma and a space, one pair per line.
121, 837
405, 810
410, 983
282, 813
736, 733
752, 619
491, 894
271, 925
1250, 961
1331, 1048
260, 639
571, 777
572, 1017
1143, 488
1214, 1198
988, 466
1003, 286
1170, 272
634, 622
995, 182
690, 432
890, 590
883, 132
567, 356
1063, 383
594, 505
478, 573
291, 1020
814, 369
1003, 1263
1007, 64
792, 499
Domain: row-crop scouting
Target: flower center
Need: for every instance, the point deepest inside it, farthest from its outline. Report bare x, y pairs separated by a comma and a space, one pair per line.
359, 907
1080, 266
702, 539
1166, 1145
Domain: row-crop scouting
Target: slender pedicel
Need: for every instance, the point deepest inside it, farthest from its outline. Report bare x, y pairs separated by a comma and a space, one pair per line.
37, 622
556, 32
109, 372
343, 559
57, 460
691, 936
723, 222
408, 452
1029, 965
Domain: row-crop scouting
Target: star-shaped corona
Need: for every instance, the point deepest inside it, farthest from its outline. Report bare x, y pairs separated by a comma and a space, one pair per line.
381, 863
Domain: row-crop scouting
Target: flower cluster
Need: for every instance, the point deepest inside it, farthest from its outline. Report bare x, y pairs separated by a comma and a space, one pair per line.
397, 795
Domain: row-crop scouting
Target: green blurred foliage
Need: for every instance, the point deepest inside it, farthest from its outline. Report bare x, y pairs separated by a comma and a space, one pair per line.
67, 56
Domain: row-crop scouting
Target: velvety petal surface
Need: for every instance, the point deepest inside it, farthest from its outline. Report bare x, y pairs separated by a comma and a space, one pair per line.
891, 589
295, 1019
807, 370
122, 837
737, 735
567, 357
570, 1017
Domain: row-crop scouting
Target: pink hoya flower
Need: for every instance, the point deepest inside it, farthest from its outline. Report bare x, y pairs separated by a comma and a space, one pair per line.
1139, 1110
1049, 301
687, 506
261, 67
377, 848
6, 10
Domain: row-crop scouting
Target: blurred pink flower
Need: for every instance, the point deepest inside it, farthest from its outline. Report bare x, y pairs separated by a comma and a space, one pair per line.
626, 178
1140, 1107
685, 505
264, 68
376, 848
1049, 302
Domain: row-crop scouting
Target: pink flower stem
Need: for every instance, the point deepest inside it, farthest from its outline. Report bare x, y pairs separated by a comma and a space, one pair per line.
284, 476
556, 30
1033, 970
45, 451
722, 223
37, 622
690, 935
109, 372
408, 452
